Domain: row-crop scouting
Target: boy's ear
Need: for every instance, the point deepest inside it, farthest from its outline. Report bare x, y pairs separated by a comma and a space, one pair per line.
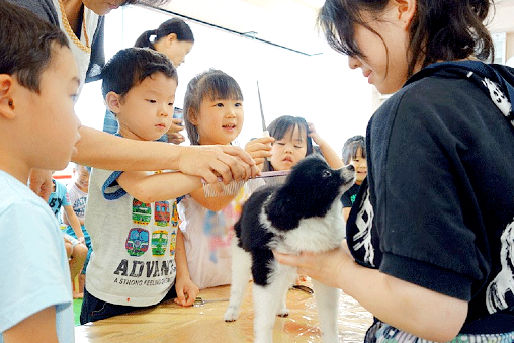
112, 101
7, 104
406, 9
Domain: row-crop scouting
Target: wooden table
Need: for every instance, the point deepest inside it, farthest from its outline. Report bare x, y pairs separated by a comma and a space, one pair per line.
168, 322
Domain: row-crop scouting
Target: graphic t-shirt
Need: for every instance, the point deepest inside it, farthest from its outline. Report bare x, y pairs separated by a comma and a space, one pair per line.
437, 209
78, 200
348, 197
133, 258
208, 235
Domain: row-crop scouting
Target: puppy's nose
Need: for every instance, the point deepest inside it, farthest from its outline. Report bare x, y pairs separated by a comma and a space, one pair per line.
350, 167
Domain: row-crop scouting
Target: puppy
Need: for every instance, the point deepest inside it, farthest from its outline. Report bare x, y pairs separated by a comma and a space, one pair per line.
303, 214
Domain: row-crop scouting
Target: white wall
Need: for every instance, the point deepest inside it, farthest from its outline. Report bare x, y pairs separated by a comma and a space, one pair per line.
321, 88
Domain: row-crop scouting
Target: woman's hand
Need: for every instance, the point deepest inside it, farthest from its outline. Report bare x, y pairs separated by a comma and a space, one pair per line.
259, 149
186, 292
213, 161
324, 267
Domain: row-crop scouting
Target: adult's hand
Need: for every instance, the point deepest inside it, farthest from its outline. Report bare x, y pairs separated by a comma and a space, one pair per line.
40, 181
213, 161
324, 267
259, 149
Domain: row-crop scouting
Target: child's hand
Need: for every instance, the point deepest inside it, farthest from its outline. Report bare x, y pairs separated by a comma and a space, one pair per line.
173, 133
259, 149
313, 134
186, 292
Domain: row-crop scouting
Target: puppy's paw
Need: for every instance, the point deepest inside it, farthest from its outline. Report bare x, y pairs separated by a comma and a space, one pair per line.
231, 315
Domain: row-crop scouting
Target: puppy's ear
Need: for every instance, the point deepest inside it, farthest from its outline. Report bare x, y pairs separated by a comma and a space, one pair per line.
282, 213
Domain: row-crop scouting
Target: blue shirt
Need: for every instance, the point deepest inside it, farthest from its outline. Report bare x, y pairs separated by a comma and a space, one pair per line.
58, 198
34, 269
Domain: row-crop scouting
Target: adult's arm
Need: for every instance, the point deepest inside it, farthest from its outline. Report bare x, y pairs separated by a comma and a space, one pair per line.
404, 305
105, 151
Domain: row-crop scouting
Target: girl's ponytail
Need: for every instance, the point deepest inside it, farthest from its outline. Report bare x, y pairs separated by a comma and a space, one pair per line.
143, 40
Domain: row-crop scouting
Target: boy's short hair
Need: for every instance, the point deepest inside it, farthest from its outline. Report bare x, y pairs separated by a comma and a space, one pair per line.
26, 44
129, 67
352, 146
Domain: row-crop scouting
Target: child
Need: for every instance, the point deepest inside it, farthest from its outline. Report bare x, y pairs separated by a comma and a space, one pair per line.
354, 153
77, 194
292, 142
432, 230
174, 39
38, 83
75, 247
213, 114
138, 256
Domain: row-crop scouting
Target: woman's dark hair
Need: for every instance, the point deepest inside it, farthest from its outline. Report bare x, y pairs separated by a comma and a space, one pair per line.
26, 44
213, 84
279, 127
145, 2
352, 146
129, 67
441, 30
175, 25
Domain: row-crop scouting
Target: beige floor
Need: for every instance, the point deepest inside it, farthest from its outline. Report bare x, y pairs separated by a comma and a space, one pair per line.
171, 323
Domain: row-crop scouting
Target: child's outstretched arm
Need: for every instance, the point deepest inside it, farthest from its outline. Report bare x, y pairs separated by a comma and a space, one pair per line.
71, 219
329, 154
38, 327
155, 187
186, 289
420, 311
212, 203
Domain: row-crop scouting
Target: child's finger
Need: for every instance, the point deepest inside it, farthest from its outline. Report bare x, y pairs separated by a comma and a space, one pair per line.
180, 296
189, 300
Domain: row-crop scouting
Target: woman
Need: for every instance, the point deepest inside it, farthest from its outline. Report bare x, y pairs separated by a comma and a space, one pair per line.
83, 23
430, 249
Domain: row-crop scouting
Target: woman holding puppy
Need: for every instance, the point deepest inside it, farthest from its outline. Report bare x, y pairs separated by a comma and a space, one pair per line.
430, 249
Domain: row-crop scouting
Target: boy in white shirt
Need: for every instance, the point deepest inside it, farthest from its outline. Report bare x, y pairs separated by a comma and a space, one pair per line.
138, 256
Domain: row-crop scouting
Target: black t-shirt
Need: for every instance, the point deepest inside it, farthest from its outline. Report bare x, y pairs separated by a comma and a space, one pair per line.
348, 197
438, 206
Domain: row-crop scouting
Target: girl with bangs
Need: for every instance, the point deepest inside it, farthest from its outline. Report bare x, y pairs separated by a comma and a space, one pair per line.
430, 238
213, 115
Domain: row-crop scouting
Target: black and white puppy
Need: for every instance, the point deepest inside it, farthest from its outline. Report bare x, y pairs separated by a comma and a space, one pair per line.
303, 214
